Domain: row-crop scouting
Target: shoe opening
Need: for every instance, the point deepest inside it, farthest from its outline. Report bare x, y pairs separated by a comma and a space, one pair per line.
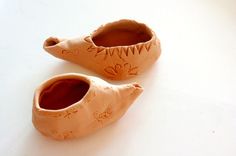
63, 93
121, 33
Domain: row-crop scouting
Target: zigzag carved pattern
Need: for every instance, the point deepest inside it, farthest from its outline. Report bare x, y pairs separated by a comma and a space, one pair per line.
119, 50
87, 39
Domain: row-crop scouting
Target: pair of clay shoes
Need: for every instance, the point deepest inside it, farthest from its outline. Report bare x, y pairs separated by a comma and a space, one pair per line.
72, 105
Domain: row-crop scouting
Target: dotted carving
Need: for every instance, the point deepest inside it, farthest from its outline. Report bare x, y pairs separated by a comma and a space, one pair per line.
69, 113
57, 115
101, 117
69, 52
63, 135
67, 134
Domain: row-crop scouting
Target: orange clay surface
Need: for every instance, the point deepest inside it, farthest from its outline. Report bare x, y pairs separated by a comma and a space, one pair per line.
75, 105
117, 50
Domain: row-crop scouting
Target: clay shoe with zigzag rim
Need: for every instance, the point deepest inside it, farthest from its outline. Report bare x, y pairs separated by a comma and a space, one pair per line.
117, 50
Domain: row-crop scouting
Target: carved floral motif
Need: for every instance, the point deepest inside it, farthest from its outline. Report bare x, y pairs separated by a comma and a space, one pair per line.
119, 69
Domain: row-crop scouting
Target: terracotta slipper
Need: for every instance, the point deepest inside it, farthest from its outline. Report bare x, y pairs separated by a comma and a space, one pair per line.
117, 50
74, 105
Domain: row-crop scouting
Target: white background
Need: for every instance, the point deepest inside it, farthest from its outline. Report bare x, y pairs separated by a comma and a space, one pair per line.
188, 107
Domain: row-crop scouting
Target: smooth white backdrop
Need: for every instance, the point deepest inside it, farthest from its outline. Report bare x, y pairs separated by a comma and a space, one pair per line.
188, 107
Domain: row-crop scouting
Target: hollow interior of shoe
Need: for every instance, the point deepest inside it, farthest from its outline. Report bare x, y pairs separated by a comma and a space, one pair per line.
121, 34
63, 93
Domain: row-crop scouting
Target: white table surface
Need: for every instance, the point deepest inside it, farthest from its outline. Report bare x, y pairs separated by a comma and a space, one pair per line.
188, 107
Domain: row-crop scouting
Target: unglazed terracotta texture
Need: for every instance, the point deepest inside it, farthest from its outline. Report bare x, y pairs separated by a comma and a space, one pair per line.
74, 105
117, 50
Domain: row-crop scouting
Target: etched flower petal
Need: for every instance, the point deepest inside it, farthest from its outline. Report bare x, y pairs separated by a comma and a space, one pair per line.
118, 68
133, 71
110, 70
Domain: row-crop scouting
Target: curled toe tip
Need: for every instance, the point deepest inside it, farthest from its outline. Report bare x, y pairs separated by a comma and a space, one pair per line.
51, 41
138, 87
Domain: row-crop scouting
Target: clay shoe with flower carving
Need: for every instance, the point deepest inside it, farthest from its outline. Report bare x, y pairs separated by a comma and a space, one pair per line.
117, 50
75, 105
